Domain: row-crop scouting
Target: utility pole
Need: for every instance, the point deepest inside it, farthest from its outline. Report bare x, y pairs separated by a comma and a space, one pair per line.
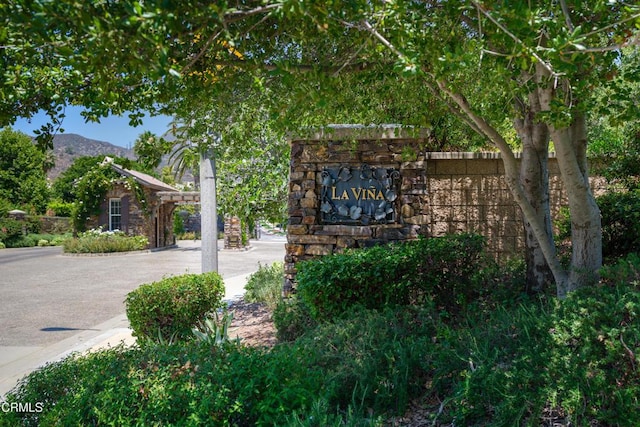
208, 207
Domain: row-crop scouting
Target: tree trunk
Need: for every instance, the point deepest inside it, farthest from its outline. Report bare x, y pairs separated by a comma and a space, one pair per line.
512, 178
534, 177
586, 228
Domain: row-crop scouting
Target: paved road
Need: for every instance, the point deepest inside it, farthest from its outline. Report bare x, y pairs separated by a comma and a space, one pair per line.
46, 296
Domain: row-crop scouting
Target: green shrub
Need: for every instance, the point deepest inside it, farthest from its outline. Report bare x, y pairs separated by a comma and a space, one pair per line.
188, 384
10, 229
593, 372
194, 383
573, 357
60, 208
292, 319
59, 239
265, 285
189, 235
2, 246
489, 368
30, 240
372, 358
178, 223
170, 308
441, 270
620, 223
626, 270
98, 241
5, 207
27, 241
322, 415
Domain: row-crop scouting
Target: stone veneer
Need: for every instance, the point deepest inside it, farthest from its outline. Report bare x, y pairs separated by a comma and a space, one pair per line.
233, 233
440, 193
156, 224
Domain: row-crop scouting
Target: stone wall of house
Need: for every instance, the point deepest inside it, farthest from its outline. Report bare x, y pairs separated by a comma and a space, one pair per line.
154, 219
55, 224
134, 218
439, 193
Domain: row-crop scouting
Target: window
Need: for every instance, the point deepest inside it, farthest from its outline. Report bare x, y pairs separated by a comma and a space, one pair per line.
115, 214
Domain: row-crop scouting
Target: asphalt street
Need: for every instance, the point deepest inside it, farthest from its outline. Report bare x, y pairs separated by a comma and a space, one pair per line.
46, 296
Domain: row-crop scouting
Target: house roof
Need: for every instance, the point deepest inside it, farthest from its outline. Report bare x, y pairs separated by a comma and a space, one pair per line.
141, 178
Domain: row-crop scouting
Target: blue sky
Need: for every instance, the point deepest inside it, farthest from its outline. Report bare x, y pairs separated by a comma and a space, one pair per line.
113, 129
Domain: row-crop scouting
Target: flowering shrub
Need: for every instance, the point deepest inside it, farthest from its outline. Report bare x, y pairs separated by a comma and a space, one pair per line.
98, 241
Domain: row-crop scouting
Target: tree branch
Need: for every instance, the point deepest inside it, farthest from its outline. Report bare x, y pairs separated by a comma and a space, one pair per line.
567, 16
516, 39
383, 40
201, 52
237, 15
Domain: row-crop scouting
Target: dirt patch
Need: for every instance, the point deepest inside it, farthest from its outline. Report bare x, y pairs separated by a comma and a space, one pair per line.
252, 323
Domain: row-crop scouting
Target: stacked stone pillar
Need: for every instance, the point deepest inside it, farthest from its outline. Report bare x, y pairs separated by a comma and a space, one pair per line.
233, 233
308, 236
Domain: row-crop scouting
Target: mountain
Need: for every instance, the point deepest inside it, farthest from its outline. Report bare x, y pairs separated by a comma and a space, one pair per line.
69, 146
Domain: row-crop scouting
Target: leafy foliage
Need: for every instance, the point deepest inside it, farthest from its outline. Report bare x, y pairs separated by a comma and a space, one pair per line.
292, 318
195, 383
149, 149
60, 208
20, 233
10, 229
86, 182
64, 187
571, 361
172, 307
23, 181
265, 285
438, 270
620, 223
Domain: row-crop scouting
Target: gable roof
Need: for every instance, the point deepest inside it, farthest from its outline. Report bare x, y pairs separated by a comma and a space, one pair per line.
141, 178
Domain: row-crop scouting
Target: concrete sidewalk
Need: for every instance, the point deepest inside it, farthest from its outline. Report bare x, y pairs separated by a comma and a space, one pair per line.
16, 362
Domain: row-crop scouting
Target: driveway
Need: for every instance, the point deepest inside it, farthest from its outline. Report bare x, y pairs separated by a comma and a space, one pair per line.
46, 296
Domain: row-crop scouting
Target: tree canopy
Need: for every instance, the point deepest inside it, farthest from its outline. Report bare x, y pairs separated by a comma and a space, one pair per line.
504, 69
23, 181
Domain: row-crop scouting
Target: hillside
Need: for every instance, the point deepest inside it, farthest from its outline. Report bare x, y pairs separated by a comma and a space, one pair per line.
69, 146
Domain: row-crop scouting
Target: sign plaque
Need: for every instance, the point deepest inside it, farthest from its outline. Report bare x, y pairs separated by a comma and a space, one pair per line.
359, 196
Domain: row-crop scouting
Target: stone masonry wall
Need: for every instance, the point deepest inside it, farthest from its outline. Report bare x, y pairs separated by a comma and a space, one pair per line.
439, 193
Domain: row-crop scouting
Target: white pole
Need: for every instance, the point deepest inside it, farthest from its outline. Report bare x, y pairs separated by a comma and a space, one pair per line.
208, 214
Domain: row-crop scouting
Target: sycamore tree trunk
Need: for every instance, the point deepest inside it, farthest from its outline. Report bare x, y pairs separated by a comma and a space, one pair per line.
586, 228
570, 142
537, 224
534, 177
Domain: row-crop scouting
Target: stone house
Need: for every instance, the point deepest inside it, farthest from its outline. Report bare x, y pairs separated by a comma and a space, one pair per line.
139, 204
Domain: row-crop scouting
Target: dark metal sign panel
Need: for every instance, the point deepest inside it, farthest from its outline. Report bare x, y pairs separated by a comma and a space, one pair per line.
364, 195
